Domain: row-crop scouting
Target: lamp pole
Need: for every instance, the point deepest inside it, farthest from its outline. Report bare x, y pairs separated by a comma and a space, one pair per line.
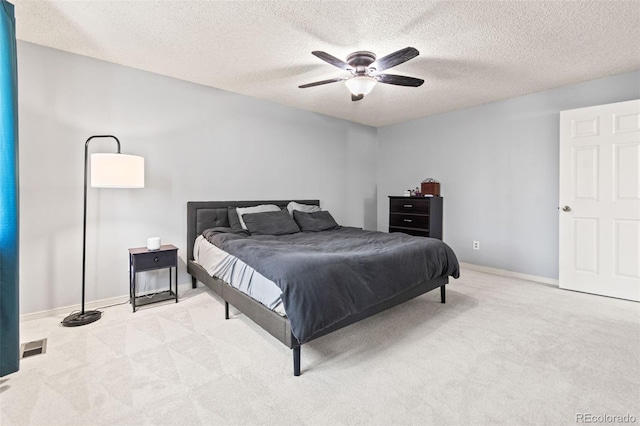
86, 317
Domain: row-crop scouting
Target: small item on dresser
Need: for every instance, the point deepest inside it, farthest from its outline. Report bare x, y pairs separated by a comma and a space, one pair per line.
153, 243
407, 193
417, 192
431, 187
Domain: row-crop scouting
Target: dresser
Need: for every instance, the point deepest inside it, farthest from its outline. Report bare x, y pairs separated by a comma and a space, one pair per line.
421, 216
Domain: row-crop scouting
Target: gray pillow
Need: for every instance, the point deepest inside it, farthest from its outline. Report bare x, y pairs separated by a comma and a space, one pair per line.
255, 209
234, 220
315, 222
270, 223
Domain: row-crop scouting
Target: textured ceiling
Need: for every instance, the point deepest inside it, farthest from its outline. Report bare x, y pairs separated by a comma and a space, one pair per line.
470, 52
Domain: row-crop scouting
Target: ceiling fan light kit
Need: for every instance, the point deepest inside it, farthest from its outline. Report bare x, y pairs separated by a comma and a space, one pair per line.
365, 71
361, 85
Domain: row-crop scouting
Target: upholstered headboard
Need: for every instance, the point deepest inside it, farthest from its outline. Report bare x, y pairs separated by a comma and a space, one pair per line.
203, 215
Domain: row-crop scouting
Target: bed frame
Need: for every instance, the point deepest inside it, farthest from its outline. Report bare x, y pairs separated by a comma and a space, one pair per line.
208, 214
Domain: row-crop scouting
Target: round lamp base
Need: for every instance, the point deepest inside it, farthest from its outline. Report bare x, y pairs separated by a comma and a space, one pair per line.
81, 318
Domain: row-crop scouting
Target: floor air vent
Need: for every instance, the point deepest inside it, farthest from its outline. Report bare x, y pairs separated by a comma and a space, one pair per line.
36, 347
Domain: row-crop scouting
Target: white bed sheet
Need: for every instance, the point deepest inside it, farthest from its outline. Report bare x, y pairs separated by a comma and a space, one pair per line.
238, 274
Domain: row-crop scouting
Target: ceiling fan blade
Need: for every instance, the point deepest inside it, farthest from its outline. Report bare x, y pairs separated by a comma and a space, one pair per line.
332, 60
395, 58
356, 97
399, 80
318, 83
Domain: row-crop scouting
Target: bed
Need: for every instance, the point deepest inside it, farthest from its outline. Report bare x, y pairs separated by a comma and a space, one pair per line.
210, 216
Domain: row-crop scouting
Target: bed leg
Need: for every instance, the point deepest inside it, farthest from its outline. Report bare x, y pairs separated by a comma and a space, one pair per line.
296, 361
226, 310
194, 282
442, 295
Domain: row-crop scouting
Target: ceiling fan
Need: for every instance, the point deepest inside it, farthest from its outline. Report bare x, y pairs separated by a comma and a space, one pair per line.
365, 70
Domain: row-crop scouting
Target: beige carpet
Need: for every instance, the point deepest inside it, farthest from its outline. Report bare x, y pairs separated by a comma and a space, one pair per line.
500, 351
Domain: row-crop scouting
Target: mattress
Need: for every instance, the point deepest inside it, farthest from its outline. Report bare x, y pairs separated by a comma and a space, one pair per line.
236, 273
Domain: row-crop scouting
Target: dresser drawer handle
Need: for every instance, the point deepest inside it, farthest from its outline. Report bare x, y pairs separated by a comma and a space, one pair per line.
408, 220
155, 259
408, 205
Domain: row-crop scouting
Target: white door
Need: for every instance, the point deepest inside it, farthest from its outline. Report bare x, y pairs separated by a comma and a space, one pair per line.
600, 200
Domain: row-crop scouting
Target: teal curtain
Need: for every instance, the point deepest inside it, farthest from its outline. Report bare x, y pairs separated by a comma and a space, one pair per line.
9, 306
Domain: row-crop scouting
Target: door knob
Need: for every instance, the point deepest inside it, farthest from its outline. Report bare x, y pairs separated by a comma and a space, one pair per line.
566, 209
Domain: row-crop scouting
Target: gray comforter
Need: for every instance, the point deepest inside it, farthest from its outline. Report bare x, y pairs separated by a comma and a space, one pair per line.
327, 276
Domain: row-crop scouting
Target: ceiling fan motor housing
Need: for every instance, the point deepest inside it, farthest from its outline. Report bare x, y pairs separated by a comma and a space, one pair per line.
360, 61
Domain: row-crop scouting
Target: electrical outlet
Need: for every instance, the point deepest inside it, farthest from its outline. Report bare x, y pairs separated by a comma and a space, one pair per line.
476, 245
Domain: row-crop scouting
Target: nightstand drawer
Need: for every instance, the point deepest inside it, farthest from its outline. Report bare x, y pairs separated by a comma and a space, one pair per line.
409, 220
409, 205
155, 260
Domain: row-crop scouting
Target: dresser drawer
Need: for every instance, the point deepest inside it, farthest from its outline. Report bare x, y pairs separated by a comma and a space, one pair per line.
409, 220
155, 260
409, 205
416, 232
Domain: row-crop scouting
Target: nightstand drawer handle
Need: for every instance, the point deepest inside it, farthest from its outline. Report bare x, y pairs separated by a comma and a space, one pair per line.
408, 220
408, 205
155, 259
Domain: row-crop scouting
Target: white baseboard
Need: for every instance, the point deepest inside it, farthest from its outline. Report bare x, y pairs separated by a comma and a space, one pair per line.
88, 306
511, 274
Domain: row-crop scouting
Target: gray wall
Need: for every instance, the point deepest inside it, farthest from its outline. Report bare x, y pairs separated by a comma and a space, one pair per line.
199, 143
498, 165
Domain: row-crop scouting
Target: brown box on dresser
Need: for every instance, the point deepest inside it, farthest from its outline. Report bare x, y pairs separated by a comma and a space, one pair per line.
432, 188
420, 216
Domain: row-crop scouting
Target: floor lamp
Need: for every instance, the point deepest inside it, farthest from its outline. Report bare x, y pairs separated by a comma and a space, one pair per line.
107, 171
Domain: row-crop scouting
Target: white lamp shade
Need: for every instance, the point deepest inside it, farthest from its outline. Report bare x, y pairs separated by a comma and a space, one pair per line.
117, 171
361, 85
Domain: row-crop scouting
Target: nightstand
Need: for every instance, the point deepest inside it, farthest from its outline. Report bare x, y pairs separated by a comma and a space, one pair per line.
142, 259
